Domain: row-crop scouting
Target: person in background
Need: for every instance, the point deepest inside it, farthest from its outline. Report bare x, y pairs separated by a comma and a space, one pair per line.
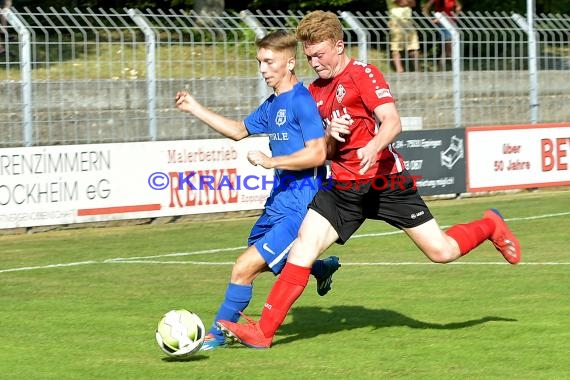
4, 4
451, 8
403, 33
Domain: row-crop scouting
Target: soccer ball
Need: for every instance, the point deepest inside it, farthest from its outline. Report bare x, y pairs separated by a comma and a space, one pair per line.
180, 333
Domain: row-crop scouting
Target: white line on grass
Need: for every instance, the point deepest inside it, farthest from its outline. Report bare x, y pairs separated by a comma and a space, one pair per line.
48, 266
343, 264
144, 259
205, 251
169, 262
374, 234
544, 216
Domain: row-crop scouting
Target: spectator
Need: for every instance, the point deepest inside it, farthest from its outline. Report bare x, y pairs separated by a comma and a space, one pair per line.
4, 4
451, 8
403, 34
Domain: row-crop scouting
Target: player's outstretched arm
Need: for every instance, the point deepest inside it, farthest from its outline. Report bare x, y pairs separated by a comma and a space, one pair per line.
232, 129
312, 155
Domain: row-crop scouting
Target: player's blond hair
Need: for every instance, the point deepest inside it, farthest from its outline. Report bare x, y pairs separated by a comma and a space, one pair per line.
279, 41
319, 26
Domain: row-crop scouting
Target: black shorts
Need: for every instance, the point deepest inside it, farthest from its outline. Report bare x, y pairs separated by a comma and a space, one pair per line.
392, 198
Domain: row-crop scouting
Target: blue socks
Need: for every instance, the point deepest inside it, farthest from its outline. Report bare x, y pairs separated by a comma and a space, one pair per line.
236, 300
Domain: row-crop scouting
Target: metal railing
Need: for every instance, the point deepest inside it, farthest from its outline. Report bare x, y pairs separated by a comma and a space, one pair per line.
92, 76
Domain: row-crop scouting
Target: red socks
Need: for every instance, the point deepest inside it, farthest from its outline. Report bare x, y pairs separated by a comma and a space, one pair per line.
470, 235
293, 279
288, 287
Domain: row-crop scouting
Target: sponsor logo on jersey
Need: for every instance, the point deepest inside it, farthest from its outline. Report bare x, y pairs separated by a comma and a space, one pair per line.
281, 118
320, 103
383, 93
340, 93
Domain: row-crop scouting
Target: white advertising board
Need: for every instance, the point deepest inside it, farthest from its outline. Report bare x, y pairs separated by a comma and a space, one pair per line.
518, 156
99, 182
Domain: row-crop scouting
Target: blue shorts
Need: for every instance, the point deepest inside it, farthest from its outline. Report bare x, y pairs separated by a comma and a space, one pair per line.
273, 237
445, 34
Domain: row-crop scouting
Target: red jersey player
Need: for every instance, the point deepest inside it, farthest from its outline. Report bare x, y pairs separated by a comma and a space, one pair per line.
368, 177
351, 96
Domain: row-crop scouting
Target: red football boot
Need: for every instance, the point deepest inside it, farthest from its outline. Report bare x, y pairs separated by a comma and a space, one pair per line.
503, 239
249, 334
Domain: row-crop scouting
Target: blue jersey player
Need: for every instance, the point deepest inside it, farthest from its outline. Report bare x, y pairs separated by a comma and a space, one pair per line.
290, 119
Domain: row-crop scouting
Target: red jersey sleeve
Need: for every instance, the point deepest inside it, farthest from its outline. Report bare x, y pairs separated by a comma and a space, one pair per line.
373, 88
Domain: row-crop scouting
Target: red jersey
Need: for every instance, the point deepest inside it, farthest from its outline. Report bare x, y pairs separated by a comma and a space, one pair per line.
356, 91
445, 6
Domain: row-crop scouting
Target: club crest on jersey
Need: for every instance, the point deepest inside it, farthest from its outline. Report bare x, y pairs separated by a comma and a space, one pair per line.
340, 93
281, 118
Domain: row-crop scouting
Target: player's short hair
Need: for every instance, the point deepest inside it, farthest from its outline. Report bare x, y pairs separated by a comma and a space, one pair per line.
319, 26
279, 41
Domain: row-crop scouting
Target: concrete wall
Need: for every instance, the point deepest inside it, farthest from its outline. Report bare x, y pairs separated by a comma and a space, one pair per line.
116, 110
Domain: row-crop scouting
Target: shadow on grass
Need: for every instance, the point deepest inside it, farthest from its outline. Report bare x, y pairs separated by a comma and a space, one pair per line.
309, 322
191, 358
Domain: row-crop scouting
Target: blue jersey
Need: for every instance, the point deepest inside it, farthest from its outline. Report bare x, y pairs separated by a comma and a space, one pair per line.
289, 120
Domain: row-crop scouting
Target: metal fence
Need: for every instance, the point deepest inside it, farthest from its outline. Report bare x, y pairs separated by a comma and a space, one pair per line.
73, 76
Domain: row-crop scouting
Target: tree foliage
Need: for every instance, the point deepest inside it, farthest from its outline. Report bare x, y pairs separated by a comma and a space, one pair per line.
519, 6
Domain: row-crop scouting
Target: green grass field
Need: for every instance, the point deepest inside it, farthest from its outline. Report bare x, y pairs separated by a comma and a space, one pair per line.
390, 315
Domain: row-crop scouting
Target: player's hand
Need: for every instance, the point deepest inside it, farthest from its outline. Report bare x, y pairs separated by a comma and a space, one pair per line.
339, 127
255, 157
368, 155
185, 102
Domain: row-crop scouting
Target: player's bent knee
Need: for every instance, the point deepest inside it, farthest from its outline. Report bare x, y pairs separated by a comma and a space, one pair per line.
303, 253
245, 271
243, 276
238, 274
440, 255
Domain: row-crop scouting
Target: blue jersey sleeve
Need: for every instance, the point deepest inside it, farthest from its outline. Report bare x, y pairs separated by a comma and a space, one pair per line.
257, 122
308, 116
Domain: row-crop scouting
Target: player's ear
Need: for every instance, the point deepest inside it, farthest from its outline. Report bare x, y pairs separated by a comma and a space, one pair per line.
291, 64
339, 46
